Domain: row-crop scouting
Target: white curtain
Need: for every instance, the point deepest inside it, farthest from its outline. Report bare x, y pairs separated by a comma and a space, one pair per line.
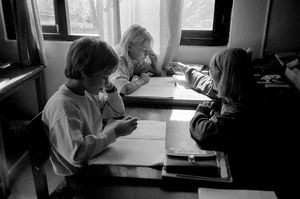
38, 33
29, 33
162, 18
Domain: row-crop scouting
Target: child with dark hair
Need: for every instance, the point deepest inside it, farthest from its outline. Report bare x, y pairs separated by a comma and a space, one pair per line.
75, 113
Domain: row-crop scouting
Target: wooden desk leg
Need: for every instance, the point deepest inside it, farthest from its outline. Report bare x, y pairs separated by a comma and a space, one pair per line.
40, 92
3, 167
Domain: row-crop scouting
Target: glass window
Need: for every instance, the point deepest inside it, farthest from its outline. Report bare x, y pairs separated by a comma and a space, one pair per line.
82, 17
204, 22
46, 12
198, 14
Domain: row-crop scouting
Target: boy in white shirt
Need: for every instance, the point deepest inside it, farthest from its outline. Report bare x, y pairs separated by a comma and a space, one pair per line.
75, 113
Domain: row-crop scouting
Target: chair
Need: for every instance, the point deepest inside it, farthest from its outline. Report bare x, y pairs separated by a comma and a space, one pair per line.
39, 152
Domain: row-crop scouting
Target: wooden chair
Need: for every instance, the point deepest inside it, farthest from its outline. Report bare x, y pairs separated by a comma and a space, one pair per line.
39, 153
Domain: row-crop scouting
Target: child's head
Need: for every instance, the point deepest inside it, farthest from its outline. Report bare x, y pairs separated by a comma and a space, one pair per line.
135, 43
90, 55
232, 74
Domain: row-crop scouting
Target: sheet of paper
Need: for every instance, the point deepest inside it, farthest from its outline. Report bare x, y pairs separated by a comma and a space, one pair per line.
207, 193
157, 87
180, 81
184, 91
132, 152
161, 81
189, 94
148, 130
153, 92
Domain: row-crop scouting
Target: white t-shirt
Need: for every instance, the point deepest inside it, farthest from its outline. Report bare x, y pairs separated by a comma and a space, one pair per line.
76, 129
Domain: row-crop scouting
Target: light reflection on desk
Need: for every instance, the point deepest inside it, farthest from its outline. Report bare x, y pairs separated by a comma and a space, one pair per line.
182, 115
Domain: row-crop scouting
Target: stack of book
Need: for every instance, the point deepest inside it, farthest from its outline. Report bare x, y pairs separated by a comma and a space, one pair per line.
196, 164
185, 159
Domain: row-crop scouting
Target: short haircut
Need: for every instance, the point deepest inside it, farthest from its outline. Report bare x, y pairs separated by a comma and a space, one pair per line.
90, 55
236, 79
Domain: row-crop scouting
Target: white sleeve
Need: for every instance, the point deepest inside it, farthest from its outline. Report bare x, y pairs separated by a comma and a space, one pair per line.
70, 138
111, 105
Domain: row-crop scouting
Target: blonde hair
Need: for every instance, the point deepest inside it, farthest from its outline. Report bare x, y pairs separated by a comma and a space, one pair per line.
236, 80
135, 35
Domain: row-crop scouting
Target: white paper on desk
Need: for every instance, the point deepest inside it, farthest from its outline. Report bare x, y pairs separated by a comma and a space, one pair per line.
148, 130
207, 193
181, 93
153, 92
157, 87
132, 152
181, 82
161, 81
184, 91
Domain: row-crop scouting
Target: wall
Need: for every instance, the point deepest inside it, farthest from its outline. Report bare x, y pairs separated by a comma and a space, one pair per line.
284, 26
247, 30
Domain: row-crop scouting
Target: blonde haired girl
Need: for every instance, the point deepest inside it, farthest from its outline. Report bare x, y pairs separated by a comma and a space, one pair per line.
136, 59
232, 75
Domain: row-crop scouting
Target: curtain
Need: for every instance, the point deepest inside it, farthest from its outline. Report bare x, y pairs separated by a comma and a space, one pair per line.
29, 33
106, 17
162, 18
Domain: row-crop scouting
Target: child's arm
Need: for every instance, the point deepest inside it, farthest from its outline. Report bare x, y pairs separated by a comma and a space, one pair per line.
133, 86
199, 81
71, 138
154, 66
111, 104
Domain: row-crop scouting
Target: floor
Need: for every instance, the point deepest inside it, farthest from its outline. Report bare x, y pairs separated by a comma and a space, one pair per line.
22, 186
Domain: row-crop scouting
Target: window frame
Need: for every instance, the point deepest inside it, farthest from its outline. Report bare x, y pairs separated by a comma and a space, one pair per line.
220, 33
60, 32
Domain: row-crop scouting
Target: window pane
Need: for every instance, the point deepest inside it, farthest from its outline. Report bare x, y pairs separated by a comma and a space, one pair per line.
46, 12
198, 14
81, 16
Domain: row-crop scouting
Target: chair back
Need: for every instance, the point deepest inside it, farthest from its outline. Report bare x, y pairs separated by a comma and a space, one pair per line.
39, 153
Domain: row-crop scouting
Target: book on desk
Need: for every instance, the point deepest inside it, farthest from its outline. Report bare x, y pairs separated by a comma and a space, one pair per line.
205, 168
166, 91
184, 159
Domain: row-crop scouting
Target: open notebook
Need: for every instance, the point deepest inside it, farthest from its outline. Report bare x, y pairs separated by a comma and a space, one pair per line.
144, 147
157, 87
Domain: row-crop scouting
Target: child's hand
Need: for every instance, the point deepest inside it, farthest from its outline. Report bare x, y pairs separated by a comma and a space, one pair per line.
176, 66
153, 58
144, 77
125, 126
205, 107
109, 86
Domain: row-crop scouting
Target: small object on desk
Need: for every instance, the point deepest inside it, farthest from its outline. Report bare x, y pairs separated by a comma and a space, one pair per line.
211, 166
5, 65
209, 193
273, 81
197, 168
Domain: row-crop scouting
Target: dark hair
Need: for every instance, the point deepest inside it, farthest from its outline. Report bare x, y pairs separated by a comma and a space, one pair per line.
236, 79
90, 55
